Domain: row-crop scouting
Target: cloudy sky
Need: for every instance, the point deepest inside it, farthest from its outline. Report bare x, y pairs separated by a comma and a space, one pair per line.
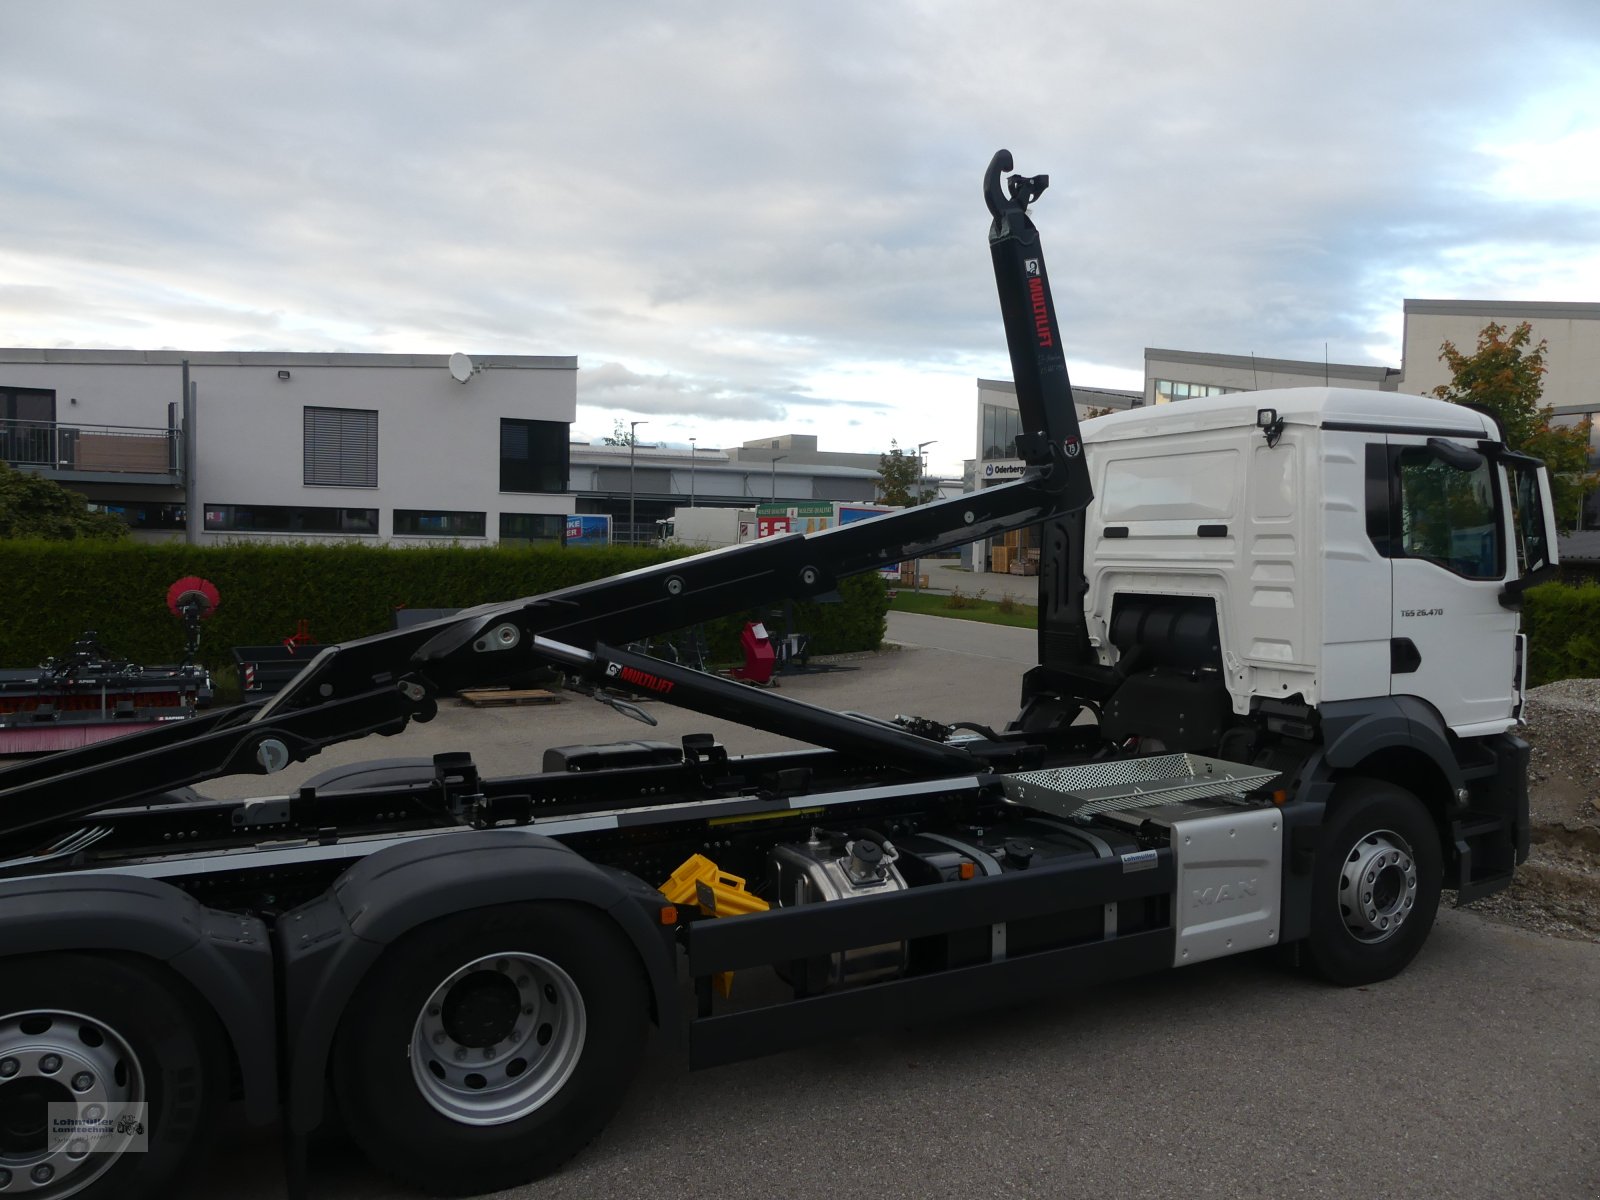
753, 218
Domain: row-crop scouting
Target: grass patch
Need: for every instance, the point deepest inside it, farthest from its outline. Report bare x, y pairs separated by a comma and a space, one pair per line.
1007, 610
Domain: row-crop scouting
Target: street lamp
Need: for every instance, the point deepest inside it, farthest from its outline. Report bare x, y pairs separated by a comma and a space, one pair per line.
922, 472
633, 438
778, 459
691, 472
922, 465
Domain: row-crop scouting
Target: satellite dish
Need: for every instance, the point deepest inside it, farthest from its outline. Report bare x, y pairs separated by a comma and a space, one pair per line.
461, 367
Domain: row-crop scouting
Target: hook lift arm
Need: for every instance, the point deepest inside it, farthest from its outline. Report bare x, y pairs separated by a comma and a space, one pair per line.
380, 683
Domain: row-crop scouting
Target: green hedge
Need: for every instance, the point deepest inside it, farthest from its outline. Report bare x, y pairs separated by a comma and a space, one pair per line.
55, 590
1563, 627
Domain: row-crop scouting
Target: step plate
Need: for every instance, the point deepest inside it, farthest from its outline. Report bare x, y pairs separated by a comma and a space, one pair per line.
1125, 783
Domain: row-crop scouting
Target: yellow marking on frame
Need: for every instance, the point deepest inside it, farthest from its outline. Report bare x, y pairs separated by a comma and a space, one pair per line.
766, 816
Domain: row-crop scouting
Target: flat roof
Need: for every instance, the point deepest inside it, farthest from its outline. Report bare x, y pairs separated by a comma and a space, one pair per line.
1555, 310
1007, 385
277, 358
1292, 366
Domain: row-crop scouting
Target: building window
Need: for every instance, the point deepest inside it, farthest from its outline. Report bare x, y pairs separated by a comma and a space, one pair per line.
525, 529
417, 522
1168, 390
341, 447
140, 515
1000, 429
534, 456
276, 518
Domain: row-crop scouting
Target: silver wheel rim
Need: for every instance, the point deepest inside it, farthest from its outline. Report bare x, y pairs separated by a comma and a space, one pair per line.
1377, 886
498, 1038
54, 1057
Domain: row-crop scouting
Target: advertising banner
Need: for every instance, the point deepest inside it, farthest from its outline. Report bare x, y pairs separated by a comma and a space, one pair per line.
588, 529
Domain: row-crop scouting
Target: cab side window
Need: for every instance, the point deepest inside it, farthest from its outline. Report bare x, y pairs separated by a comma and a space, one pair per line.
1448, 515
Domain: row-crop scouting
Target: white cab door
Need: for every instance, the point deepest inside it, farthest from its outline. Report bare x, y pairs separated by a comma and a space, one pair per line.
1453, 642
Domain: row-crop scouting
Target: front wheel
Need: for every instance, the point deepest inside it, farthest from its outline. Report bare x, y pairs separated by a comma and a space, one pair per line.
487, 1047
1375, 884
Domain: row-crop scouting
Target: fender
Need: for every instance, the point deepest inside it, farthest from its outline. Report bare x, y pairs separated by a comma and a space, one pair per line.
226, 958
1354, 729
328, 945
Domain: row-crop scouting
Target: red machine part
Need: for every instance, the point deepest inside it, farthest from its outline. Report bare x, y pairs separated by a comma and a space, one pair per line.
192, 590
760, 656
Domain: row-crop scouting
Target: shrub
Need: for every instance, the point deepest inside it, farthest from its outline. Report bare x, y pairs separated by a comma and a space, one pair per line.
344, 591
1563, 627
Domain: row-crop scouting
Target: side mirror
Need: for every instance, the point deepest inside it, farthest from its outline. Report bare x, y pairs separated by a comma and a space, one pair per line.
1536, 525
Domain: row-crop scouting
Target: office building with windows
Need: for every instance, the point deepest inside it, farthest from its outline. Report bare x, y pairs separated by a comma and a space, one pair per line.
368, 447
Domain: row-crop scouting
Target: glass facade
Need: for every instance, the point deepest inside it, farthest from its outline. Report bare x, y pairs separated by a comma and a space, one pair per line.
527, 529
277, 518
1000, 429
1168, 390
416, 522
535, 456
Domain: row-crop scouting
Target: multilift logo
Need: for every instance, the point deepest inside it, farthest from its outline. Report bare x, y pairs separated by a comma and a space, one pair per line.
1041, 312
645, 680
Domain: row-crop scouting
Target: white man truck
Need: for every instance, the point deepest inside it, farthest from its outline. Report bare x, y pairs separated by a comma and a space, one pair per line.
1278, 680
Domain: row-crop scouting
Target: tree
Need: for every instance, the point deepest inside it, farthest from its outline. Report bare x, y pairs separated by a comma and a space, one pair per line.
621, 435
34, 507
1504, 378
900, 479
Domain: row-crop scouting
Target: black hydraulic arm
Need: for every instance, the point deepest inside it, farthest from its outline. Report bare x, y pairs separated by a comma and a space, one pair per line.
1044, 397
378, 683
1038, 361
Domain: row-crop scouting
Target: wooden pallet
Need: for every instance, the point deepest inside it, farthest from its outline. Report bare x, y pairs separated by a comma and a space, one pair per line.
508, 697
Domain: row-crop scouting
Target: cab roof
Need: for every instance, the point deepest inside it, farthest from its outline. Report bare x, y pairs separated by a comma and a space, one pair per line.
1313, 406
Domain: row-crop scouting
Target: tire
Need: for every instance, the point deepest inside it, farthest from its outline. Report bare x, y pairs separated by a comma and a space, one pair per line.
1375, 884
140, 1036
451, 990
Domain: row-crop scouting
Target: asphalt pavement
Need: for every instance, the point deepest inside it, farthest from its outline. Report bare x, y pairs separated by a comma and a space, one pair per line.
1471, 1075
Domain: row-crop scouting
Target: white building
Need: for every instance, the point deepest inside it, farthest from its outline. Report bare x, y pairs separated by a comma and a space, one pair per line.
369, 447
653, 481
999, 422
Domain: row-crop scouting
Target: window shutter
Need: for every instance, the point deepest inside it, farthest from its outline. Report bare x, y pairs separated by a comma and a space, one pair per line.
341, 447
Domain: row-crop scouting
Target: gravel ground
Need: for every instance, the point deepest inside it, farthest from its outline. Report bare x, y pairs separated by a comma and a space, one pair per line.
1558, 890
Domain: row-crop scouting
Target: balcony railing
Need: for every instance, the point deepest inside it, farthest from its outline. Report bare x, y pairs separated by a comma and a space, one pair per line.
89, 449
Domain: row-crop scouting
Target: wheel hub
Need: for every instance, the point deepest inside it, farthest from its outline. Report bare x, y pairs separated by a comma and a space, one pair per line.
59, 1058
498, 1038
1377, 886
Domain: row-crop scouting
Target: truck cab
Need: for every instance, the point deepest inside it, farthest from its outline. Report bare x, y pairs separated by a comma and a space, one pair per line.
1339, 546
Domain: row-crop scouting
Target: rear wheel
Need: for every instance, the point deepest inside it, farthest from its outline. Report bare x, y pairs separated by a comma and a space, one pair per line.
1375, 885
120, 1048
488, 1047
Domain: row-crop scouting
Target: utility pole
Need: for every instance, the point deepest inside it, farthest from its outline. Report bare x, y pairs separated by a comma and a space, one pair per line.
633, 438
691, 472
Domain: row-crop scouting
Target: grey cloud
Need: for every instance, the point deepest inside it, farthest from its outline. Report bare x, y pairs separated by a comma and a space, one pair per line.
717, 203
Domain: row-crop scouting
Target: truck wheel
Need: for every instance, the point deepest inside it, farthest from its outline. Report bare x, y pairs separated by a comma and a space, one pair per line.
103, 1033
1375, 887
486, 1048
